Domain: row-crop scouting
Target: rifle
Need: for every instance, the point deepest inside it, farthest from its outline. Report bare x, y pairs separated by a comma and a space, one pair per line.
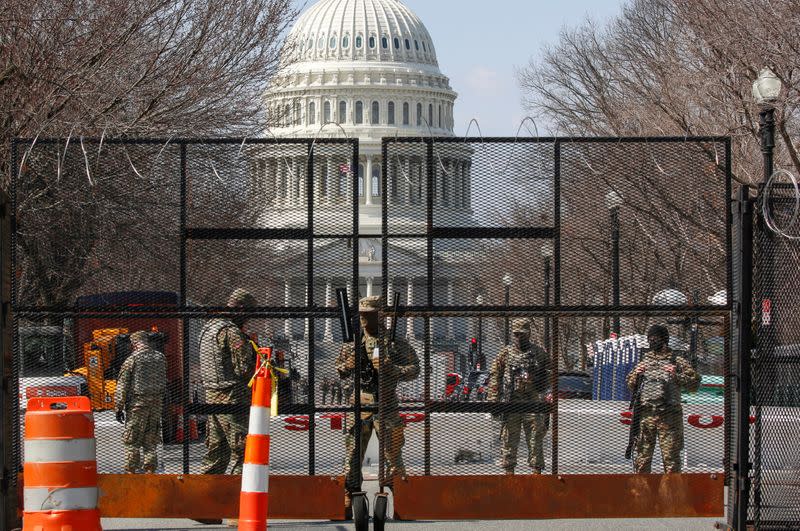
636, 419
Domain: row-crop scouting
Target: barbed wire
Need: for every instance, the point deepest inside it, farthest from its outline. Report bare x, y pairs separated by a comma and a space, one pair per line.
766, 206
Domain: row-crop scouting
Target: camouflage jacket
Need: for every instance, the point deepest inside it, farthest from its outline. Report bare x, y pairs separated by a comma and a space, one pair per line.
383, 366
227, 362
143, 377
518, 376
660, 389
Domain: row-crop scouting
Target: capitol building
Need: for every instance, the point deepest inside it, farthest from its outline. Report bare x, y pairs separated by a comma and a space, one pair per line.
364, 69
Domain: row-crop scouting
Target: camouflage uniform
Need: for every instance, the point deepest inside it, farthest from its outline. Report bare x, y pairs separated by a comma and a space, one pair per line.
394, 363
518, 376
227, 362
661, 413
141, 385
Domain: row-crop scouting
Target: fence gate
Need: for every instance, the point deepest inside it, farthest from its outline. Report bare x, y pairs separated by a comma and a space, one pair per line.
592, 240
775, 396
112, 237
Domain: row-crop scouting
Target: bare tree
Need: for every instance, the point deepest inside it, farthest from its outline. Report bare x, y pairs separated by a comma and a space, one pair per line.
89, 214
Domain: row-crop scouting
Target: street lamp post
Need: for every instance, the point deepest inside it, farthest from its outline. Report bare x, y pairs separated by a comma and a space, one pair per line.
547, 254
479, 301
507, 284
613, 203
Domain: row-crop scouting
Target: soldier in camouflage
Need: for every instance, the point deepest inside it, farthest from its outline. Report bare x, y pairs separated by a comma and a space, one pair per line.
384, 364
661, 375
139, 397
520, 374
227, 362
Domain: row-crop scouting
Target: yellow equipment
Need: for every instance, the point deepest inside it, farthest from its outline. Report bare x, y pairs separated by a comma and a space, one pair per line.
102, 359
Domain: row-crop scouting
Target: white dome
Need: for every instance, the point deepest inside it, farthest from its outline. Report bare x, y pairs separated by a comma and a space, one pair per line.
369, 30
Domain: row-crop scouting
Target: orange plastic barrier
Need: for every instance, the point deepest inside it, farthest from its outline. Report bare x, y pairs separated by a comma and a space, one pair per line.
60, 472
254, 497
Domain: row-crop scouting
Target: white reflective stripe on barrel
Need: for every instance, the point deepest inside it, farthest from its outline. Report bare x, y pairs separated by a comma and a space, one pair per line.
255, 478
259, 421
60, 499
57, 450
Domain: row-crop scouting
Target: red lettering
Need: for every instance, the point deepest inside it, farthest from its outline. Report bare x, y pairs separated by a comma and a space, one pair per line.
296, 423
626, 417
697, 421
336, 420
408, 418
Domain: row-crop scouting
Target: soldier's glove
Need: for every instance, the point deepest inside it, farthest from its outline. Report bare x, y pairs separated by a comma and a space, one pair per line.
121, 417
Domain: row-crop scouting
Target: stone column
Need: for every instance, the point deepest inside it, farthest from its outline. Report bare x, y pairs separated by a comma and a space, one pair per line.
450, 323
287, 301
410, 302
368, 181
370, 281
328, 300
404, 183
279, 191
389, 300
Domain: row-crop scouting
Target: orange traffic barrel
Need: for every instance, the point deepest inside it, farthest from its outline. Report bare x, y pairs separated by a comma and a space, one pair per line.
254, 498
60, 472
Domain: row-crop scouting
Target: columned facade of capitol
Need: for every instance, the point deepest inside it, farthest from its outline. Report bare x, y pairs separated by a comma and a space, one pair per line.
364, 69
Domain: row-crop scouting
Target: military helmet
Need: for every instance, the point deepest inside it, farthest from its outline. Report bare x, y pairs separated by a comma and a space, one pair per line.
140, 336
373, 303
521, 325
658, 330
241, 297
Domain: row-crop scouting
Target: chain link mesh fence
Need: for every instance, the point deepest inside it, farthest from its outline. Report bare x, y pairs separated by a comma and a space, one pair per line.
775, 495
527, 273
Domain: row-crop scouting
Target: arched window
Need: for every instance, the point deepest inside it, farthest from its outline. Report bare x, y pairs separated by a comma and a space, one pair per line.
419, 114
360, 180
376, 181
346, 41
297, 109
342, 112
440, 115
424, 48
396, 43
333, 42
312, 113
359, 112
408, 44
416, 44
326, 111
321, 42
405, 113
376, 113
430, 115
372, 41
359, 41
384, 42
343, 179
390, 113
287, 115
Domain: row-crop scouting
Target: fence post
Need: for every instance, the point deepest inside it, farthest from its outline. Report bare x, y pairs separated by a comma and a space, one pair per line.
743, 323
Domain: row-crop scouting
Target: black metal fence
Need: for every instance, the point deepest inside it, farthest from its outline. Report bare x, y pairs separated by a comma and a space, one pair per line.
590, 240
775, 366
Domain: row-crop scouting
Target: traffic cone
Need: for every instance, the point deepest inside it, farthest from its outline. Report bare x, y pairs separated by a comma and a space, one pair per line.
60, 471
254, 497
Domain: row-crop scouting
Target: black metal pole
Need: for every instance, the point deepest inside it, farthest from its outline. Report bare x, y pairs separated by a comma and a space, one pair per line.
507, 302
742, 427
615, 265
480, 338
547, 303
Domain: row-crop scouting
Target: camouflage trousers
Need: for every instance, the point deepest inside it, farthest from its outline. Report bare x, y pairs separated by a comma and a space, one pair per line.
535, 428
226, 436
142, 431
389, 428
667, 426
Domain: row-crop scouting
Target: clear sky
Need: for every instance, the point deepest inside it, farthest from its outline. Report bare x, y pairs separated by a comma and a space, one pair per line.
480, 44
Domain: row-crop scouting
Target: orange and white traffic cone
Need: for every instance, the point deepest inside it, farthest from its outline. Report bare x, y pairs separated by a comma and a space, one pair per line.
60, 473
253, 500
